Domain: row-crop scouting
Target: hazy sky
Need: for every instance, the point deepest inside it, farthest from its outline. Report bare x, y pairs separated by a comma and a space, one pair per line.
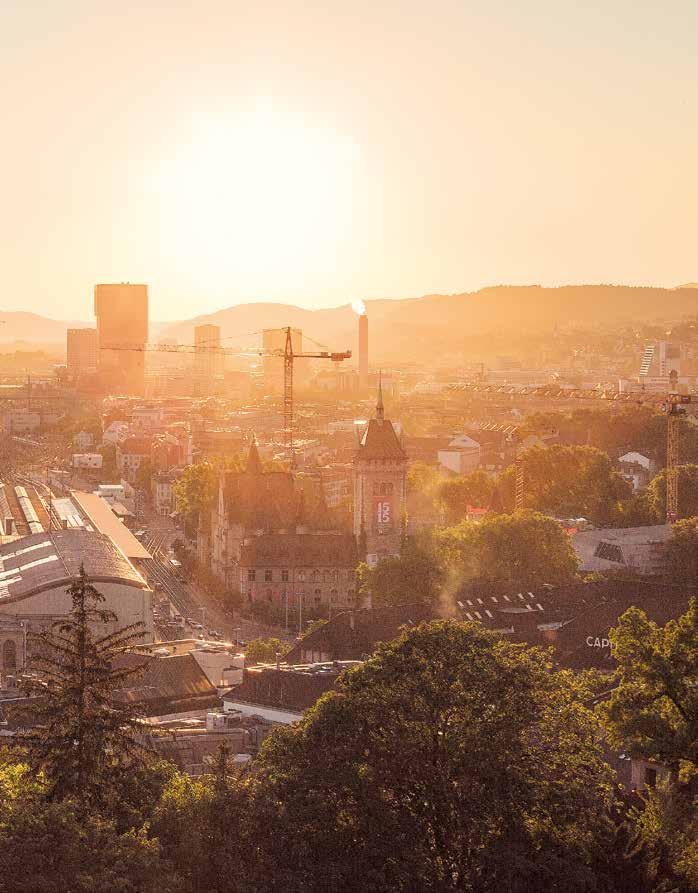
313, 152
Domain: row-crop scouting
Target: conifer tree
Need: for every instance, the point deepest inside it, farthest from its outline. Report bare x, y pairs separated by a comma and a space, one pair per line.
83, 740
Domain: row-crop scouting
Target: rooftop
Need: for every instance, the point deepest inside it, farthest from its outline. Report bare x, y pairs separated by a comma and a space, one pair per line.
43, 561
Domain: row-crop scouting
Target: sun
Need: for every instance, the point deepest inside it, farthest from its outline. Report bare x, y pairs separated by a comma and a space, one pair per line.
262, 201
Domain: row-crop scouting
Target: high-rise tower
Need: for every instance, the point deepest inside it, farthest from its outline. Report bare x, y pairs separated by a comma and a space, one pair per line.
122, 332
380, 475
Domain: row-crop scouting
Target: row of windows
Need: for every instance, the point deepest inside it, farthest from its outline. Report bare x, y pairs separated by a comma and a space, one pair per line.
314, 576
316, 596
382, 489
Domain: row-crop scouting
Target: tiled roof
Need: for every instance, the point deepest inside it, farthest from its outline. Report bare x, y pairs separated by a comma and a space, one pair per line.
352, 635
380, 442
167, 684
300, 550
42, 561
266, 500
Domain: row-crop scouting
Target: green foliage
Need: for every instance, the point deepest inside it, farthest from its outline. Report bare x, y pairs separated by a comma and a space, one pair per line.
423, 478
653, 710
58, 846
264, 651
83, 742
459, 493
144, 475
682, 552
393, 783
108, 453
525, 549
412, 577
667, 830
311, 627
201, 825
688, 492
195, 490
570, 482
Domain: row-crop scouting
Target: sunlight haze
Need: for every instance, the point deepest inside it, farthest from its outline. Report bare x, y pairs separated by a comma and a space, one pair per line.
225, 152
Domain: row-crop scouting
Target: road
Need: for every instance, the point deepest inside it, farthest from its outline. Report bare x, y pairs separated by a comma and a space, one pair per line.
189, 600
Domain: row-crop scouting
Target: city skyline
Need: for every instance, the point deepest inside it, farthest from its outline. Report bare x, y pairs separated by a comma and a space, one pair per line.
298, 156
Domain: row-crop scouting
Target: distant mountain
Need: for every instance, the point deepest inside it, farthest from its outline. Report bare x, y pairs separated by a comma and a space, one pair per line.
30, 328
435, 325
415, 329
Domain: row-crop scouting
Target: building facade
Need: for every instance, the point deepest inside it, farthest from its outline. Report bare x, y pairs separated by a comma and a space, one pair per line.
380, 489
122, 333
264, 541
81, 351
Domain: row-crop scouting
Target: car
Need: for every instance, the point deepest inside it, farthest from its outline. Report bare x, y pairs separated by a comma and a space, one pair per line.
197, 625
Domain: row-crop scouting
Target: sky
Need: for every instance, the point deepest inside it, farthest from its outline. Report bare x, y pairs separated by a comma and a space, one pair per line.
315, 152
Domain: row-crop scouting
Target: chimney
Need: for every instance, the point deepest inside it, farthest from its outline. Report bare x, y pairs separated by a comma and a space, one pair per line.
363, 352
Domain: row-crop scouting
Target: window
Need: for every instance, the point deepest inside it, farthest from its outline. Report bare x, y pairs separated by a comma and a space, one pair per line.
9, 655
650, 777
284, 576
268, 576
268, 595
251, 575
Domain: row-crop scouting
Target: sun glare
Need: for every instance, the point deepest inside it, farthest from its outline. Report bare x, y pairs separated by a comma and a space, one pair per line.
260, 202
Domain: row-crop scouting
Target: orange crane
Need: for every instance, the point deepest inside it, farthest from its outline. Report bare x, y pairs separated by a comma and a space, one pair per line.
672, 404
287, 354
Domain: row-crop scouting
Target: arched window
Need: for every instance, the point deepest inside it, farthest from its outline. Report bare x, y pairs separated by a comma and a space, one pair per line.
9, 655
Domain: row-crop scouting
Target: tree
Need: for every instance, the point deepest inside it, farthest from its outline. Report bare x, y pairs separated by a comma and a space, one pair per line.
688, 492
51, 847
570, 482
682, 552
392, 781
460, 493
524, 549
264, 651
144, 475
411, 577
195, 490
201, 825
83, 740
653, 710
108, 452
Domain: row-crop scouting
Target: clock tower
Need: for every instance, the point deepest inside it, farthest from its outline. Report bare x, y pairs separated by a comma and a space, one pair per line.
380, 474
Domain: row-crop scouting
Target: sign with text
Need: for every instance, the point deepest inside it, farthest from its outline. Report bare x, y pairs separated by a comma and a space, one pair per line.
383, 512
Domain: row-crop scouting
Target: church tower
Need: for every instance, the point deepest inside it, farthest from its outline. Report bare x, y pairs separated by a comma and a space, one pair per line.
380, 475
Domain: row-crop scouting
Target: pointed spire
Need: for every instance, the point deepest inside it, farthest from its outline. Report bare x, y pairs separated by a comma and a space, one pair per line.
380, 411
254, 463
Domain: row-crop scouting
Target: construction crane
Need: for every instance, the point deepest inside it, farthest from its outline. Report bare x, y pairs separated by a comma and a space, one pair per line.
287, 354
672, 404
